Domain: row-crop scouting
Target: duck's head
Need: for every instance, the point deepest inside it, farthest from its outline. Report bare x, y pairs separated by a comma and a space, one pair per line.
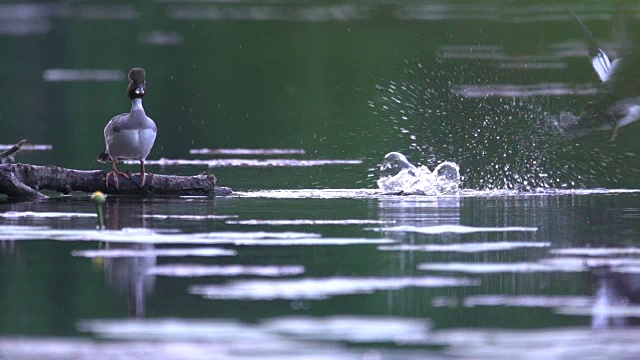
137, 86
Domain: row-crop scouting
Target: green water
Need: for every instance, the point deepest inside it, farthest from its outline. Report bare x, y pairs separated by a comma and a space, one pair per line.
315, 77
47, 291
334, 79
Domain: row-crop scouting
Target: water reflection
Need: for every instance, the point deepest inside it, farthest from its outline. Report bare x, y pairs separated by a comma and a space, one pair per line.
161, 38
284, 87
420, 211
614, 290
523, 91
57, 75
498, 12
37, 18
128, 275
283, 12
340, 283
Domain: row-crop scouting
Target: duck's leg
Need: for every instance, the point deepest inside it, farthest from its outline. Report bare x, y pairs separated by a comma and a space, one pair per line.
615, 133
114, 172
631, 115
143, 173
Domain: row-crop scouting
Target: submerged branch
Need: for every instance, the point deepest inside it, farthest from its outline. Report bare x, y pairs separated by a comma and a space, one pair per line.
23, 180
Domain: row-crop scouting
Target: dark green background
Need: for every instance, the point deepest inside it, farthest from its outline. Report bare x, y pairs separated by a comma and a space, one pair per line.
317, 77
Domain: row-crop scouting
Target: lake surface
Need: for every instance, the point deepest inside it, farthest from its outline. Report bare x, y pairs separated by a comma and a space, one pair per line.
324, 273
536, 257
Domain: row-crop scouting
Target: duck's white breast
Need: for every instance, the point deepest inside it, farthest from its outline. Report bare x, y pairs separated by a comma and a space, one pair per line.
130, 144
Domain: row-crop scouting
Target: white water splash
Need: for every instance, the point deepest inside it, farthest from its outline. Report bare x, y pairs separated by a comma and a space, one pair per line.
397, 174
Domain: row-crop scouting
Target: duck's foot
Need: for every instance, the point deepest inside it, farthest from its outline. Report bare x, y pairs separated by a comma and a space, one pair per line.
143, 180
614, 135
115, 174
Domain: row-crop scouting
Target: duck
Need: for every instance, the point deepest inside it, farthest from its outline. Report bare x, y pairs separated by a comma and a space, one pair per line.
130, 136
619, 102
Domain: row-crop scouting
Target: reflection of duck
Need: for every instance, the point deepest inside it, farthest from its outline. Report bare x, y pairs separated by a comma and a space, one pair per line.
128, 275
619, 105
615, 289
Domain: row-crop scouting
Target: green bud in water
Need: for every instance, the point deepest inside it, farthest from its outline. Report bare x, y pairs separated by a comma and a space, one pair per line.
99, 198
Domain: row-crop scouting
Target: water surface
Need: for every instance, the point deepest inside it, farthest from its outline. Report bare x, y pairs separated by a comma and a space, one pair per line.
294, 105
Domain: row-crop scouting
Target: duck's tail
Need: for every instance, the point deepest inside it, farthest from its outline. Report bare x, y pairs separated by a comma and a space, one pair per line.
104, 157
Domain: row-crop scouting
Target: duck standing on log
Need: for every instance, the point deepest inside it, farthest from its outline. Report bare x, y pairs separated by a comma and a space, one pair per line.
130, 135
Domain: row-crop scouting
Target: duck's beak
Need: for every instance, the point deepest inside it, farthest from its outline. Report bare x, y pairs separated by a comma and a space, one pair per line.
139, 90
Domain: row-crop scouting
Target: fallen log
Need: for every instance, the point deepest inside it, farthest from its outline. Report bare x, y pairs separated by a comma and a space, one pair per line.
8, 156
24, 180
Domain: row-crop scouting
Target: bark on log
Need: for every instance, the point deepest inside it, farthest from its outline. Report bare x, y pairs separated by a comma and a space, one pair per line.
23, 180
8, 157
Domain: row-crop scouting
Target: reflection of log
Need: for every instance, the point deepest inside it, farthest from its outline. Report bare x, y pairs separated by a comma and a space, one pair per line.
23, 180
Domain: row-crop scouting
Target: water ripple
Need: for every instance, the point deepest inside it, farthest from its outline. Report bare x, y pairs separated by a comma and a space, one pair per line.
214, 163
527, 300
456, 229
44, 215
191, 270
340, 12
28, 147
468, 247
189, 217
307, 222
518, 91
596, 251
320, 288
60, 75
127, 253
243, 151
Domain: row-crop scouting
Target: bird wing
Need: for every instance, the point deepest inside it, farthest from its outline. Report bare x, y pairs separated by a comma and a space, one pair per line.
624, 72
115, 123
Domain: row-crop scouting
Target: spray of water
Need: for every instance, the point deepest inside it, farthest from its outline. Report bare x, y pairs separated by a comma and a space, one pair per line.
398, 175
499, 143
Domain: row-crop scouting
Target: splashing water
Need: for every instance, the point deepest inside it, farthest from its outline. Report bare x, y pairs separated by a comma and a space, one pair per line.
397, 174
502, 143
